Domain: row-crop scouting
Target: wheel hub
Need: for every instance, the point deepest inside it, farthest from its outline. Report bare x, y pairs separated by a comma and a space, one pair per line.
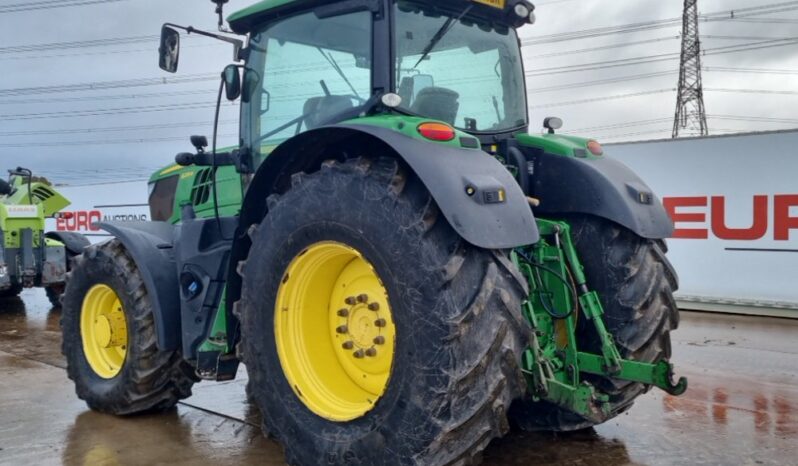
103, 331
341, 370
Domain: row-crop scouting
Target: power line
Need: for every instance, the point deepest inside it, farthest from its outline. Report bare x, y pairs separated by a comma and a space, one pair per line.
106, 111
106, 42
753, 91
142, 140
600, 99
113, 129
658, 24
749, 70
659, 58
599, 82
49, 100
605, 47
48, 5
102, 85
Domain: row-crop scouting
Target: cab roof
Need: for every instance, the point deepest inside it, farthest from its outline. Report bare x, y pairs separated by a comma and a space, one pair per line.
245, 20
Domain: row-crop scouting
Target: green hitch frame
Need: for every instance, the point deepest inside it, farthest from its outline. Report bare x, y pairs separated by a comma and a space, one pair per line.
553, 363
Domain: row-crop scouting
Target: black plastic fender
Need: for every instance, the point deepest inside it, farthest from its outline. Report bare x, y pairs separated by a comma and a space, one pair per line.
75, 243
480, 215
603, 187
150, 244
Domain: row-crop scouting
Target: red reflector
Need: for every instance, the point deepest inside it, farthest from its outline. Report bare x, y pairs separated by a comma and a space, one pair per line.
436, 131
595, 148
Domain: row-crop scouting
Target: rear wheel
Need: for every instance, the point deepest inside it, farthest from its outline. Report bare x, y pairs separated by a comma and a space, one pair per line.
371, 332
109, 337
635, 283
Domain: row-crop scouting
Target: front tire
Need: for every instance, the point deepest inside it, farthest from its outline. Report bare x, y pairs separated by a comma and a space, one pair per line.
635, 283
109, 337
455, 310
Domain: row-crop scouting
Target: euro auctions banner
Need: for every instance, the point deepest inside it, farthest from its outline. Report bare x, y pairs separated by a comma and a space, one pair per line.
734, 203
125, 201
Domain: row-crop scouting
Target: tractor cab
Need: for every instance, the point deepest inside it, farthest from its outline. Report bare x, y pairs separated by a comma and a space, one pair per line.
313, 64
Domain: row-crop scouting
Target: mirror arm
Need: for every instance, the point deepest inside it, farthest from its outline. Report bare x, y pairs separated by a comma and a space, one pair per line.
238, 44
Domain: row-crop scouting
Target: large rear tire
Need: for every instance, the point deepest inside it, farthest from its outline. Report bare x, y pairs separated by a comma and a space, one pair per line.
451, 312
635, 283
109, 337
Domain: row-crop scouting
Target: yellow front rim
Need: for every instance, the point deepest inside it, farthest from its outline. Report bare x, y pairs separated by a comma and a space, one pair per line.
103, 330
334, 331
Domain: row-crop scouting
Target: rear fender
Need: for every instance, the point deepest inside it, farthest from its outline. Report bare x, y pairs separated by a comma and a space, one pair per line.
150, 245
597, 186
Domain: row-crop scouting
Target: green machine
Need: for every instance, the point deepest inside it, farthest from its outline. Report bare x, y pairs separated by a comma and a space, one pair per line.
30, 257
405, 270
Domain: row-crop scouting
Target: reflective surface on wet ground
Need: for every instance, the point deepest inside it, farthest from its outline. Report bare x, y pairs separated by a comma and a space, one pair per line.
741, 407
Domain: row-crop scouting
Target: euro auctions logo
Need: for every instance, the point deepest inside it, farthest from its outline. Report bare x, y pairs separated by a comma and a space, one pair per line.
84, 220
695, 217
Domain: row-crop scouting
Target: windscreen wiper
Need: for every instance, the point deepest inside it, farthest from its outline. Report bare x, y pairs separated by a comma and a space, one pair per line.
331, 60
447, 26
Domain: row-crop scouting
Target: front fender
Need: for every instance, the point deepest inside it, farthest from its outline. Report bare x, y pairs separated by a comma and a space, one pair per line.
150, 245
598, 186
75, 243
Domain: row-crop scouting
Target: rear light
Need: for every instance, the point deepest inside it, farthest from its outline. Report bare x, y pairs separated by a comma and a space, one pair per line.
595, 148
436, 131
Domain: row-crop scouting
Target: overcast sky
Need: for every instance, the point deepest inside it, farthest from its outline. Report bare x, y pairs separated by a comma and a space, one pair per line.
71, 119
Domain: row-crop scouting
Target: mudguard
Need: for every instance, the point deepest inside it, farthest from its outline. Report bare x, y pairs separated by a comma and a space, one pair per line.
484, 218
150, 244
75, 242
598, 186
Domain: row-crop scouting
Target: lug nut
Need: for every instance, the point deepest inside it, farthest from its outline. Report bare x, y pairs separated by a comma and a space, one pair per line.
351, 301
374, 306
359, 354
363, 298
343, 312
342, 329
380, 323
371, 352
348, 345
380, 340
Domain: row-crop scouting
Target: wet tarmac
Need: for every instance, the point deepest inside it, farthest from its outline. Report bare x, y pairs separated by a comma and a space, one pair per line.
741, 408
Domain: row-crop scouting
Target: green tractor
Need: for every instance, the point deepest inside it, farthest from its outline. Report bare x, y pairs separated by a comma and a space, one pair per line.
30, 257
404, 270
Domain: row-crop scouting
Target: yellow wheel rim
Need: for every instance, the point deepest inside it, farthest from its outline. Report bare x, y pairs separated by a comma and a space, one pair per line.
103, 330
334, 331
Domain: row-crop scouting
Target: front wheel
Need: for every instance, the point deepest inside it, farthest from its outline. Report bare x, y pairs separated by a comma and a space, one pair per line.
635, 283
109, 337
372, 333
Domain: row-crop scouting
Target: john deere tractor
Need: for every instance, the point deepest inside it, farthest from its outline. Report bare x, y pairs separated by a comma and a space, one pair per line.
30, 257
404, 269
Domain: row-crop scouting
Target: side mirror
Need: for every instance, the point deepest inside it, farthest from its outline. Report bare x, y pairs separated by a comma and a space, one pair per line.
232, 82
169, 50
249, 85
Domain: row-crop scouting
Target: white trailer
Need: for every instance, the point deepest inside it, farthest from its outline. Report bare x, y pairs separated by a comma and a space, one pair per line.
734, 202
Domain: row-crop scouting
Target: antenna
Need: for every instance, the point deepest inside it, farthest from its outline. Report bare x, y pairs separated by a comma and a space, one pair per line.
220, 12
691, 117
